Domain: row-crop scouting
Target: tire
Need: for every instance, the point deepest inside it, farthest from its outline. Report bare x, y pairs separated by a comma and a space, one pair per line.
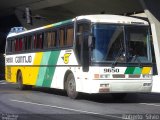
71, 87
20, 82
119, 96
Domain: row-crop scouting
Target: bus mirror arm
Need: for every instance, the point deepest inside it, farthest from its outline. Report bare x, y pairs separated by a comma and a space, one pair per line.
91, 42
85, 55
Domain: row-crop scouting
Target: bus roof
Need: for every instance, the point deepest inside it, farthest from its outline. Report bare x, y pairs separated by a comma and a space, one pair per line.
102, 18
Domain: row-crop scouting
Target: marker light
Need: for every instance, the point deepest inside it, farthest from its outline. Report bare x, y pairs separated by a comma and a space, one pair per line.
96, 76
147, 76
104, 76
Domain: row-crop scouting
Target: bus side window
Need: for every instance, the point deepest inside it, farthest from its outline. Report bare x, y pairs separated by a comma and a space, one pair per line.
62, 37
16, 44
51, 39
25, 43
42, 41
39, 42
35, 41
29, 42
69, 36
48, 39
54, 39
20, 44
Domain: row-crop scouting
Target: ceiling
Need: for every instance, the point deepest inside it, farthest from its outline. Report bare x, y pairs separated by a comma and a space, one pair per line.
62, 9
9, 6
57, 10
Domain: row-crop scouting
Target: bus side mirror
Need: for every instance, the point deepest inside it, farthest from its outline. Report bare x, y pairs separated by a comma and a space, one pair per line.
85, 54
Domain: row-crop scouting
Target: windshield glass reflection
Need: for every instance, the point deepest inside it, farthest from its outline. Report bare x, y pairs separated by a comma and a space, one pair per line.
119, 43
109, 43
137, 38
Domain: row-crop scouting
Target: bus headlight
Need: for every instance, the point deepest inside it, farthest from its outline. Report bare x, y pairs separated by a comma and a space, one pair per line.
99, 76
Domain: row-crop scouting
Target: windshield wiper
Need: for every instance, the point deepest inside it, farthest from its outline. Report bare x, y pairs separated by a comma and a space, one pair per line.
117, 57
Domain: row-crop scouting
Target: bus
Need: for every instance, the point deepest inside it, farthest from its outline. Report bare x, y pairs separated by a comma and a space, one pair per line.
91, 54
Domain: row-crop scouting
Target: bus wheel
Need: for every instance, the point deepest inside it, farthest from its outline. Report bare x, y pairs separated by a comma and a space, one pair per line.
20, 82
119, 96
71, 87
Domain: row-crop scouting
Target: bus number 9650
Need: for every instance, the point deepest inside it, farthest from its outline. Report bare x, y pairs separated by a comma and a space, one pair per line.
111, 70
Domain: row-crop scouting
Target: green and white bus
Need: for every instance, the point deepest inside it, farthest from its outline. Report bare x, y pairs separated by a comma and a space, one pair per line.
88, 54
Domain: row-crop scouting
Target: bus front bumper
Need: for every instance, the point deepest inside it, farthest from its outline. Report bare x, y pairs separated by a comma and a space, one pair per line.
117, 86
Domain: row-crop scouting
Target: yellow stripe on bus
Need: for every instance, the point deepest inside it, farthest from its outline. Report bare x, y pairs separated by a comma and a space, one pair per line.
48, 26
33, 71
146, 70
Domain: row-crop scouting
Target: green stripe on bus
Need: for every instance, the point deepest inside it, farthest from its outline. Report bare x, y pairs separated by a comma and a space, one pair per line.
137, 70
63, 22
129, 70
51, 70
42, 70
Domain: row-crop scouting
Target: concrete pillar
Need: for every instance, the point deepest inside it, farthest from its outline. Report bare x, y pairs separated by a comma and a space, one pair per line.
151, 9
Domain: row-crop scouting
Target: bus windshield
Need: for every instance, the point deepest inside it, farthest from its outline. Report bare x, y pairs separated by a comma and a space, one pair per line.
138, 44
121, 43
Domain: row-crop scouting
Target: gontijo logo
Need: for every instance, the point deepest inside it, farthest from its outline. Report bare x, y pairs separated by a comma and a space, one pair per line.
66, 58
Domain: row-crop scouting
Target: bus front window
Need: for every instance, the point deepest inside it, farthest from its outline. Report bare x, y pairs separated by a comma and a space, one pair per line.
138, 44
109, 43
121, 44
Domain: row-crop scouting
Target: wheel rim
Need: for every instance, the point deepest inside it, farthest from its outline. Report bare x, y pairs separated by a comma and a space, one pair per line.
71, 87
